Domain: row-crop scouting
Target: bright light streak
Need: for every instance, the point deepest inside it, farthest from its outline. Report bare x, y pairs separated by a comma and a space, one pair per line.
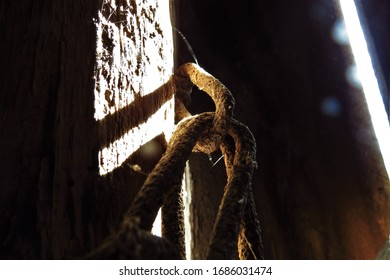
117, 83
116, 153
186, 183
368, 79
156, 229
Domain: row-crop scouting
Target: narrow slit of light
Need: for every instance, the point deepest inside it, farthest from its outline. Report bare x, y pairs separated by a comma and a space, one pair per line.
368, 79
186, 188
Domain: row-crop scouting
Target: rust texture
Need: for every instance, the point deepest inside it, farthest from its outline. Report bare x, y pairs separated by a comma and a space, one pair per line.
202, 132
235, 199
222, 98
172, 215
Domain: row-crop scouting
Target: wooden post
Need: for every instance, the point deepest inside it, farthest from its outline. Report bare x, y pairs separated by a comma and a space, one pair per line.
75, 109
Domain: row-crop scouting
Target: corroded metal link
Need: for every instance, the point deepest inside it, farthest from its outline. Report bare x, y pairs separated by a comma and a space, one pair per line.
250, 245
223, 243
204, 132
249, 240
172, 219
169, 169
222, 97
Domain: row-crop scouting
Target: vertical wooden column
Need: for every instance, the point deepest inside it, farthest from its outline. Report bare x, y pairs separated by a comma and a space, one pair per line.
134, 58
71, 72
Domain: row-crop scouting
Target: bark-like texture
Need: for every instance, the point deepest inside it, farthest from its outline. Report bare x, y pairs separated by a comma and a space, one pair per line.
133, 102
71, 64
47, 148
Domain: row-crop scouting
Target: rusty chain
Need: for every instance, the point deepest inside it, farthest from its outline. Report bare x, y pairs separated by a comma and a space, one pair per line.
237, 226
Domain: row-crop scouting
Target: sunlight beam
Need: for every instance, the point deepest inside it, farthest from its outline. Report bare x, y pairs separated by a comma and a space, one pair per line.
368, 79
134, 58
